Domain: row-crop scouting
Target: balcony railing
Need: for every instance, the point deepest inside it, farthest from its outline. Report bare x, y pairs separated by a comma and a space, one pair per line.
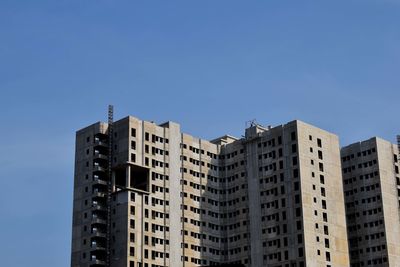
99, 194
97, 246
100, 181
98, 233
98, 207
97, 168
99, 220
97, 142
97, 262
98, 155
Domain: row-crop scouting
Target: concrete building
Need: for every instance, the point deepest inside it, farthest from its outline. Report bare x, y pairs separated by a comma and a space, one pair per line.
372, 189
272, 198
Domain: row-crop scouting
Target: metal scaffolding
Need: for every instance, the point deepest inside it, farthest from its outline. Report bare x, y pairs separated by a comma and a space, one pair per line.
109, 180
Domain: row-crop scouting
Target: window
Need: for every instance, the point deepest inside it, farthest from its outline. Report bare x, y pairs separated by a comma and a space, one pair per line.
133, 145
299, 238
132, 251
326, 230
300, 252
324, 204
328, 256
294, 160
298, 212
293, 136
321, 167
320, 154
133, 132
146, 136
319, 142
325, 216
296, 186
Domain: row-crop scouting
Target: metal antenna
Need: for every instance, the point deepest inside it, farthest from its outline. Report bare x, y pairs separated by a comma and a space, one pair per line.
109, 181
251, 123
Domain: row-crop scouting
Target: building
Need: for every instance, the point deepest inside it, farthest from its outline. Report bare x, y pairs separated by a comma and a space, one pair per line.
272, 198
372, 188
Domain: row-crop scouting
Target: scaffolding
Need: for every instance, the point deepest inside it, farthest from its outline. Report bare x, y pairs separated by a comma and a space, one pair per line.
109, 181
398, 145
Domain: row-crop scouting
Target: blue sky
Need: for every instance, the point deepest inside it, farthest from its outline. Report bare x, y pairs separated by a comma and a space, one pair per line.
210, 65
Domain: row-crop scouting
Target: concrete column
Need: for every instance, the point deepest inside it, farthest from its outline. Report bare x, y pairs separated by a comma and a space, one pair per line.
254, 204
175, 195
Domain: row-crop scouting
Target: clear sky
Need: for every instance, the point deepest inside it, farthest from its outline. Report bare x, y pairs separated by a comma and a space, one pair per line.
210, 65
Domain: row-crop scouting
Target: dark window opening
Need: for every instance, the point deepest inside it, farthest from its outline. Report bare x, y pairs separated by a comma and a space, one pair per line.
139, 178
120, 177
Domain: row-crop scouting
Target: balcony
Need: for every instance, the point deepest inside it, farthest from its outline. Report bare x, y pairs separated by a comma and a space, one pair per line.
98, 168
97, 246
98, 220
100, 143
99, 155
99, 181
97, 262
99, 207
98, 254
96, 232
99, 194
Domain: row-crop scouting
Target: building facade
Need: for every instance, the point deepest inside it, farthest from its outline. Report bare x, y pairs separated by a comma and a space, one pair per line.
272, 198
372, 189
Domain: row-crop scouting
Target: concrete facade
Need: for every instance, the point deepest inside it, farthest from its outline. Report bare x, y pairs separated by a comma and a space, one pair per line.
272, 198
372, 190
